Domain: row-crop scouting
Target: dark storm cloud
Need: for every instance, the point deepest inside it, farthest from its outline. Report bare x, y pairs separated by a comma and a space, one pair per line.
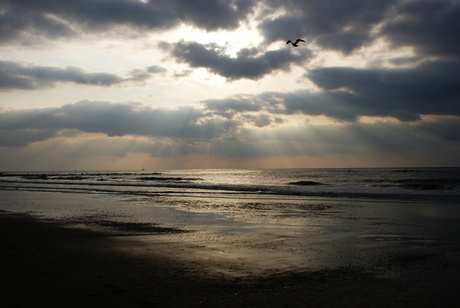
430, 88
111, 119
248, 63
19, 76
28, 25
28, 20
333, 24
431, 27
26, 76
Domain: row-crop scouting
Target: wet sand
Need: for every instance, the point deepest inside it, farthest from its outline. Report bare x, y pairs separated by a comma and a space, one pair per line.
139, 264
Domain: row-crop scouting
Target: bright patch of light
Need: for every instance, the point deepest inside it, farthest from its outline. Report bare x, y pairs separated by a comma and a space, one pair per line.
373, 120
232, 41
379, 54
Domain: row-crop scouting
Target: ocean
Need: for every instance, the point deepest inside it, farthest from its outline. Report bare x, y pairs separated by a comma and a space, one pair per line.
281, 219
376, 184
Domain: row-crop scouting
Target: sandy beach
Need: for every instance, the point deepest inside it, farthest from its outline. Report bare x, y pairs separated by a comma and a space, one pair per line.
81, 261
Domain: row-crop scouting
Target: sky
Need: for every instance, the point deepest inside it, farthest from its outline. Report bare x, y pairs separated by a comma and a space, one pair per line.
171, 84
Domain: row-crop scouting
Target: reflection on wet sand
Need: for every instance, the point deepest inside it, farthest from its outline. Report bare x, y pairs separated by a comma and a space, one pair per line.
135, 250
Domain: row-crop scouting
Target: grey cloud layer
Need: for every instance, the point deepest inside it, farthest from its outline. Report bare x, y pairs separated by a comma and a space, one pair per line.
191, 129
248, 63
54, 19
333, 24
428, 26
432, 88
26, 76
111, 119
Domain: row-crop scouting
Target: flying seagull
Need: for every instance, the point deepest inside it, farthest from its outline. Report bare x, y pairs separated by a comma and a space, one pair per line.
296, 42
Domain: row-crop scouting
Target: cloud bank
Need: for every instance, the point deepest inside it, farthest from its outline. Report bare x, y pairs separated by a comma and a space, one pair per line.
29, 77
248, 63
125, 119
334, 24
59, 19
88, 129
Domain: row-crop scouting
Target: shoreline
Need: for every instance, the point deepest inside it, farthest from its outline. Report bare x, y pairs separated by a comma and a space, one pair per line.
48, 263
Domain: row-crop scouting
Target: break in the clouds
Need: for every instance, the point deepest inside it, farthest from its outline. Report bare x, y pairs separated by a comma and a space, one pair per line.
27, 76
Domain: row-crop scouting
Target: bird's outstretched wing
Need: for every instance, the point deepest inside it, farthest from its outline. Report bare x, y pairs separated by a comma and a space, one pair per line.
296, 42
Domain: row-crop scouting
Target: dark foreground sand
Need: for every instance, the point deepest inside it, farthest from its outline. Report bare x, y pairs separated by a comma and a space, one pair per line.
45, 264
